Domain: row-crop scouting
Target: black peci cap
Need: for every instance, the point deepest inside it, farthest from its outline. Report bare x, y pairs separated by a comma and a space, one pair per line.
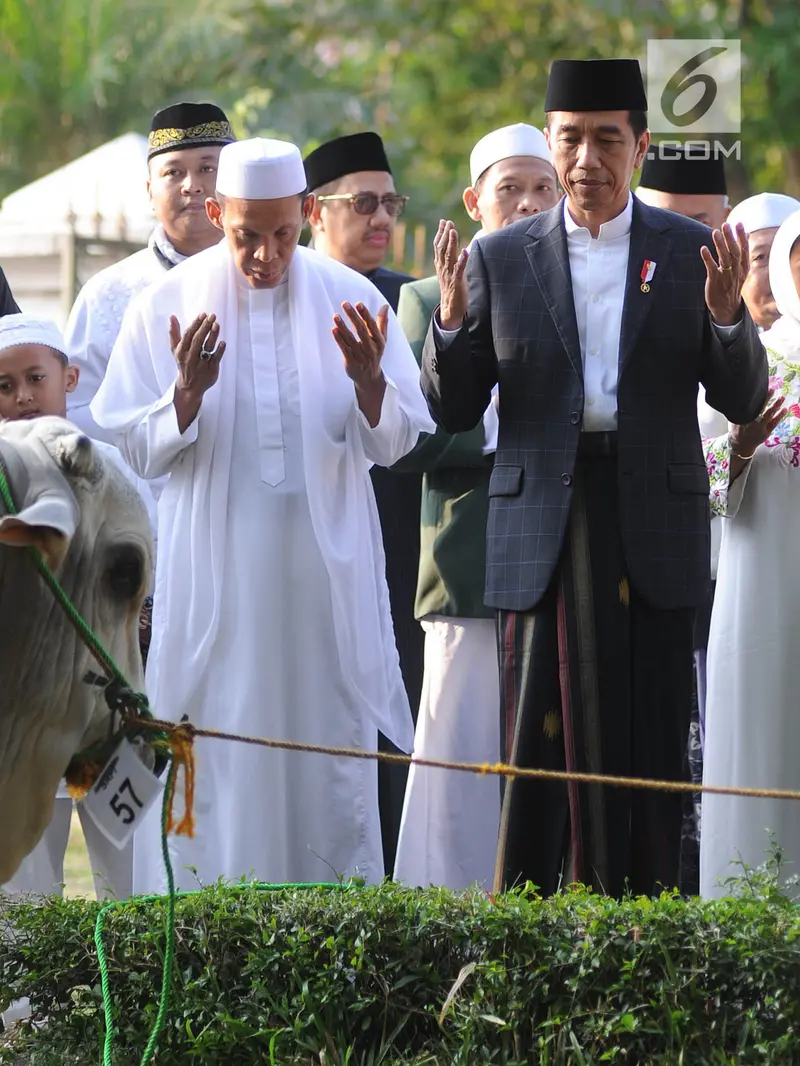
680, 170
188, 126
595, 85
345, 155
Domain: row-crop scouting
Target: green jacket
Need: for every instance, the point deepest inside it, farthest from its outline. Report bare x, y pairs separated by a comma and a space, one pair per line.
455, 492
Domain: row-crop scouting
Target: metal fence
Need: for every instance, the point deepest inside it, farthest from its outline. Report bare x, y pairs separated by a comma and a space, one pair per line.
49, 277
412, 250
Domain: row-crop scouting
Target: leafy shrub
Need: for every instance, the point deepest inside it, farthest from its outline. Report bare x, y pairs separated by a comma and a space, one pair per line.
370, 976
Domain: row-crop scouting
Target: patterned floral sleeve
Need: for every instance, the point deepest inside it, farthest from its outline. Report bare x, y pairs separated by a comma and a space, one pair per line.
718, 461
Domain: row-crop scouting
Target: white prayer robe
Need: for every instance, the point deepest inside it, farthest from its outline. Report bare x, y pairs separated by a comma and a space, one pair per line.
712, 424
94, 324
271, 612
752, 727
451, 820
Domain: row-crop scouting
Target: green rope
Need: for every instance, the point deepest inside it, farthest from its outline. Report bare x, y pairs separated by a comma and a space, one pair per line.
126, 698
138, 701
169, 951
84, 631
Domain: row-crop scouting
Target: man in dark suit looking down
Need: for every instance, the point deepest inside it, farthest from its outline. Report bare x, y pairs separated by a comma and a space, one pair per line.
598, 319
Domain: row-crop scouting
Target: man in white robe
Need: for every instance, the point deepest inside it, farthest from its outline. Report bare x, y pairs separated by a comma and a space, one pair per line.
448, 835
271, 607
183, 148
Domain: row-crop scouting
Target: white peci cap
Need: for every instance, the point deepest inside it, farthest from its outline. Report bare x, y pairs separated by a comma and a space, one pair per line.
30, 329
764, 211
260, 169
508, 141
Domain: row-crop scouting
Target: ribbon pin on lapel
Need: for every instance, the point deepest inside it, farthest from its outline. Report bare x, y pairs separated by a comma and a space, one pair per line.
648, 269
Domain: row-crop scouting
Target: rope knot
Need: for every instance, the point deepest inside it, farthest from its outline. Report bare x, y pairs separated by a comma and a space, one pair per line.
121, 698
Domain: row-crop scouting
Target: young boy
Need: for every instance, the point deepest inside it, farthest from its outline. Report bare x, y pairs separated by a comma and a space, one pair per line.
35, 380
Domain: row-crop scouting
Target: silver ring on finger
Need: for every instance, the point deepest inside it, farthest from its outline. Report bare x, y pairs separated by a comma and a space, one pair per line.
207, 353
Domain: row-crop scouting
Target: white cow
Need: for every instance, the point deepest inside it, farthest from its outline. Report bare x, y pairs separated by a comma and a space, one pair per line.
93, 529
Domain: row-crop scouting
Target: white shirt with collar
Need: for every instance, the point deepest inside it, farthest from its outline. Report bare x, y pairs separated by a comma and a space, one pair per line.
599, 270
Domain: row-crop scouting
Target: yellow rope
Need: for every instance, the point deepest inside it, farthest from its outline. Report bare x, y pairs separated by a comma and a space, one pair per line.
499, 769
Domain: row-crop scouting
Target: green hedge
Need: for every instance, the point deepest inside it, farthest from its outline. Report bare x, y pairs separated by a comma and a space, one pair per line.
391, 976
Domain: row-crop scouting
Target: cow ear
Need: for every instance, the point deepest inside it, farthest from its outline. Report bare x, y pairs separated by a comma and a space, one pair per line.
47, 523
76, 457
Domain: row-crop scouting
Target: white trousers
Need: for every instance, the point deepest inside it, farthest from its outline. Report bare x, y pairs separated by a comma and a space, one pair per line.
42, 872
448, 832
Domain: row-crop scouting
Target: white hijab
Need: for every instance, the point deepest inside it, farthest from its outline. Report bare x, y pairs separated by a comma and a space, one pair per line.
784, 336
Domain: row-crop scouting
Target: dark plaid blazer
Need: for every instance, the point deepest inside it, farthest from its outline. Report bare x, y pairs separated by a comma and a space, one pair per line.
522, 332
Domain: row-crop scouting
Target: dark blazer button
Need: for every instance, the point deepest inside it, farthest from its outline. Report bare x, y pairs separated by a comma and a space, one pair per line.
575, 418
566, 479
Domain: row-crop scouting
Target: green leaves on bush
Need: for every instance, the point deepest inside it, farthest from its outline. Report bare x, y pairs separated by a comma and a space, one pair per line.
387, 976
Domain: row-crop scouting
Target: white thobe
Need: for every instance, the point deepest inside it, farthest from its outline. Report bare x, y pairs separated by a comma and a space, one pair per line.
712, 424
271, 662
450, 823
42, 872
93, 327
752, 728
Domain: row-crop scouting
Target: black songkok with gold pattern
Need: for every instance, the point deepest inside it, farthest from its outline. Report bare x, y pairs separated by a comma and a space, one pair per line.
188, 126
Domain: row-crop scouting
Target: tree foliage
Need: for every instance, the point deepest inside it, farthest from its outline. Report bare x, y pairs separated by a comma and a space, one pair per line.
431, 75
75, 73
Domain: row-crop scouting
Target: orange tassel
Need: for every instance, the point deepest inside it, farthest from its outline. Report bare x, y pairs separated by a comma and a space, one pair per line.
81, 777
181, 743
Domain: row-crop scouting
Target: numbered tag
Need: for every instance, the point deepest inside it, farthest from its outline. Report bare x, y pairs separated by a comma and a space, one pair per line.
122, 795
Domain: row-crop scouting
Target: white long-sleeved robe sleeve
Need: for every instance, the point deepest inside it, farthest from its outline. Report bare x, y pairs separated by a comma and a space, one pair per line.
93, 327
395, 434
404, 412
135, 401
154, 445
89, 339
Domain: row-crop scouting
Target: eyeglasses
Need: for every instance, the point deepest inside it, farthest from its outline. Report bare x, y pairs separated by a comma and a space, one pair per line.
367, 203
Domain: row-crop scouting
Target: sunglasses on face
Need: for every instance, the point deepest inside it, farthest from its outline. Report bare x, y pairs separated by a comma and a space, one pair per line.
367, 203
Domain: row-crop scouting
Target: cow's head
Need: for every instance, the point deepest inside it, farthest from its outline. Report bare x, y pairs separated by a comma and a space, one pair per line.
78, 508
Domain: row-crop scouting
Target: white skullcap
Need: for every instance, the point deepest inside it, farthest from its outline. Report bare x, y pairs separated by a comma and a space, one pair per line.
765, 211
508, 141
29, 329
781, 281
260, 169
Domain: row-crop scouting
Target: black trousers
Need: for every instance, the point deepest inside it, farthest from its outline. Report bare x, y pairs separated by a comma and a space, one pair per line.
594, 679
398, 499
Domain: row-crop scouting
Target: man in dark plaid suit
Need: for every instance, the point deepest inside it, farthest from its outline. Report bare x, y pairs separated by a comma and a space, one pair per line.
598, 319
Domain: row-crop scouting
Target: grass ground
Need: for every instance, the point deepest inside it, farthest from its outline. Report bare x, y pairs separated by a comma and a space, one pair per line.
77, 872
